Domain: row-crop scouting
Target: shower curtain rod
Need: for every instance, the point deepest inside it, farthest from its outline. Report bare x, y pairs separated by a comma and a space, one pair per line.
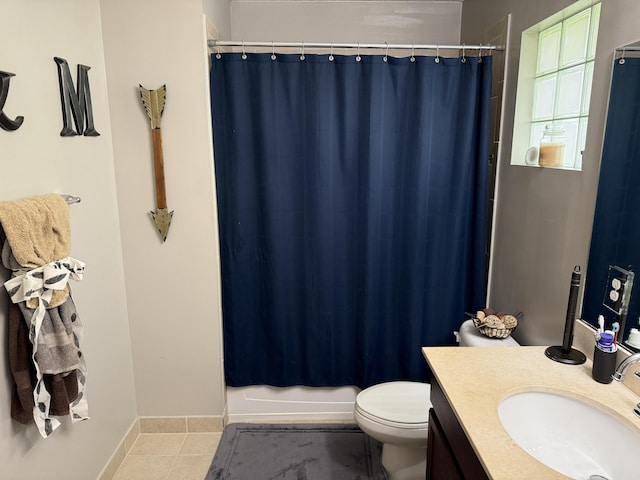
380, 46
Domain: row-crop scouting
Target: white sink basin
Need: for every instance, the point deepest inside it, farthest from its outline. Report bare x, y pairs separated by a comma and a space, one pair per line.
571, 436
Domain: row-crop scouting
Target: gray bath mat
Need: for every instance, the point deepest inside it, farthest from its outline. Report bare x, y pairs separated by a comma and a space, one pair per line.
296, 452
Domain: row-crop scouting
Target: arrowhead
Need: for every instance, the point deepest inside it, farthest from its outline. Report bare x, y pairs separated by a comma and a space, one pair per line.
162, 219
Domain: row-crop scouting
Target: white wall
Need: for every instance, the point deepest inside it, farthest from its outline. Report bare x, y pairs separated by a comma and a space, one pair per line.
346, 21
173, 288
544, 216
36, 160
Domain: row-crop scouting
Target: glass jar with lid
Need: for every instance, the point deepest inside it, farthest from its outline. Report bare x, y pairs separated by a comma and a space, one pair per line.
552, 146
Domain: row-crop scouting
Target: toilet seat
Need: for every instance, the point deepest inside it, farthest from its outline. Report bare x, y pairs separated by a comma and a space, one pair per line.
396, 404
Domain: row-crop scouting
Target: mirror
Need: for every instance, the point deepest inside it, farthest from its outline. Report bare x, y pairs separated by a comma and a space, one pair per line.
615, 241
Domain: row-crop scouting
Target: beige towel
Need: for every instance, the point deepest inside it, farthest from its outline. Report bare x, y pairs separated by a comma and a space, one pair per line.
38, 230
36, 249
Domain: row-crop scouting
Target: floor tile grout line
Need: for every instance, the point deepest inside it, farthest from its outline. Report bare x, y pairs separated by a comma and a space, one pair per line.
175, 457
184, 440
168, 476
147, 435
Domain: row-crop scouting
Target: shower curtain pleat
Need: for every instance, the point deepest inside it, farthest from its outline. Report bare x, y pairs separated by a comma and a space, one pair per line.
352, 211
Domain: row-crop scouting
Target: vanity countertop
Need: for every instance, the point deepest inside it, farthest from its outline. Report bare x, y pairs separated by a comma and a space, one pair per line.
475, 380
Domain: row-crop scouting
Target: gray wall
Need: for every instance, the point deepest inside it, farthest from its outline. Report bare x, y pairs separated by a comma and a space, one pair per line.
218, 11
544, 216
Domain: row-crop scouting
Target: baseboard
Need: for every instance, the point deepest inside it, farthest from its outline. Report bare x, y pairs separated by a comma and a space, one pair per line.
121, 451
202, 424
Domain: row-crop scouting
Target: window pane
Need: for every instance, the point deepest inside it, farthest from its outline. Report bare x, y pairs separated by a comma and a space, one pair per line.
544, 97
593, 36
537, 130
575, 37
582, 140
588, 79
548, 49
569, 98
571, 141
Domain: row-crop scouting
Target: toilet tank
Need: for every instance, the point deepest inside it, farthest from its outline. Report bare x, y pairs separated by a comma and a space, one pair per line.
471, 337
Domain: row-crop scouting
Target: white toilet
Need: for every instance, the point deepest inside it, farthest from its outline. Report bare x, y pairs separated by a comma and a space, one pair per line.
397, 415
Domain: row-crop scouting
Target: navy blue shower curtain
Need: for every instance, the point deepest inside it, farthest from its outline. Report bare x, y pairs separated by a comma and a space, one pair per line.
352, 200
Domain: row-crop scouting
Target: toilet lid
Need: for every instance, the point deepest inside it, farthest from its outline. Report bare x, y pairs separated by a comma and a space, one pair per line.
399, 402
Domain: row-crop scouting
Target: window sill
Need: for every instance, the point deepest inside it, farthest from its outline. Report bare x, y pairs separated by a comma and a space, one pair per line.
567, 168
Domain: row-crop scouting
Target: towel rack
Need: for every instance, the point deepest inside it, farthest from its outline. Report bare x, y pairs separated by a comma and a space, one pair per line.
70, 199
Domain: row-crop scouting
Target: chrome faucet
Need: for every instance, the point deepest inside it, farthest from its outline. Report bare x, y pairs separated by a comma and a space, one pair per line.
626, 363
618, 375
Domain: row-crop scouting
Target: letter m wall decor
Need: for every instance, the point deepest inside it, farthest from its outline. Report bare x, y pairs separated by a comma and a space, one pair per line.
76, 104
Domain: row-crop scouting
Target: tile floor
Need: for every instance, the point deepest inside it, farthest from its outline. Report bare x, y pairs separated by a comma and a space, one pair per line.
169, 456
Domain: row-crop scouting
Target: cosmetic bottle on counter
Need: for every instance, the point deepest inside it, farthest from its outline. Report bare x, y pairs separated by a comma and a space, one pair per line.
634, 338
604, 358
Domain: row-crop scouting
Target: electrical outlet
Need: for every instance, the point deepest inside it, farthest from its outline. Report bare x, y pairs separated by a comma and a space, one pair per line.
618, 290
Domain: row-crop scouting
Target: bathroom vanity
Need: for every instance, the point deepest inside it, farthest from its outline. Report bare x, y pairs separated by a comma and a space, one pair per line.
450, 455
466, 437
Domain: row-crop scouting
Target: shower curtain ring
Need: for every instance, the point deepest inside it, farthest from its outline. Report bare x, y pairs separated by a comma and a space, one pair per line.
273, 50
464, 58
331, 53
413, 58
437, 59
244, 54
480, 54
386, 52
218, 55
302, 55
358, 57
622, 60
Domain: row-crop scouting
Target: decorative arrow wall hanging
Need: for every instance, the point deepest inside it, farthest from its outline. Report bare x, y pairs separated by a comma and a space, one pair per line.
153, 101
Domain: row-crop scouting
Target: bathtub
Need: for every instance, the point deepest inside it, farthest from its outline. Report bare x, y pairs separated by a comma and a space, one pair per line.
263, 403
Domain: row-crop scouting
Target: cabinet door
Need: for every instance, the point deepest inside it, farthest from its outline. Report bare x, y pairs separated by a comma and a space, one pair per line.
441, 462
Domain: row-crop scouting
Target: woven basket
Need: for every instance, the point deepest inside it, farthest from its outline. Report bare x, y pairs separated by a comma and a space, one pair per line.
490, 331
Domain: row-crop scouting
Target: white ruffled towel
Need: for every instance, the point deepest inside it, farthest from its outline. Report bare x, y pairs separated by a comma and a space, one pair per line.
36, 250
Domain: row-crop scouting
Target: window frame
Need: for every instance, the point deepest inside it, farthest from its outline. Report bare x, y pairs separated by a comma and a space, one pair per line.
528, 123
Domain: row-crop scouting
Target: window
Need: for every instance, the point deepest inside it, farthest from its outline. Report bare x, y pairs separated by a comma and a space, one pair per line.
560, 55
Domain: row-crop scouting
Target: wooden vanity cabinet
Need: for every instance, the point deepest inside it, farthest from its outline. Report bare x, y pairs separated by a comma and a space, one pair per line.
441, 461
450, 455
